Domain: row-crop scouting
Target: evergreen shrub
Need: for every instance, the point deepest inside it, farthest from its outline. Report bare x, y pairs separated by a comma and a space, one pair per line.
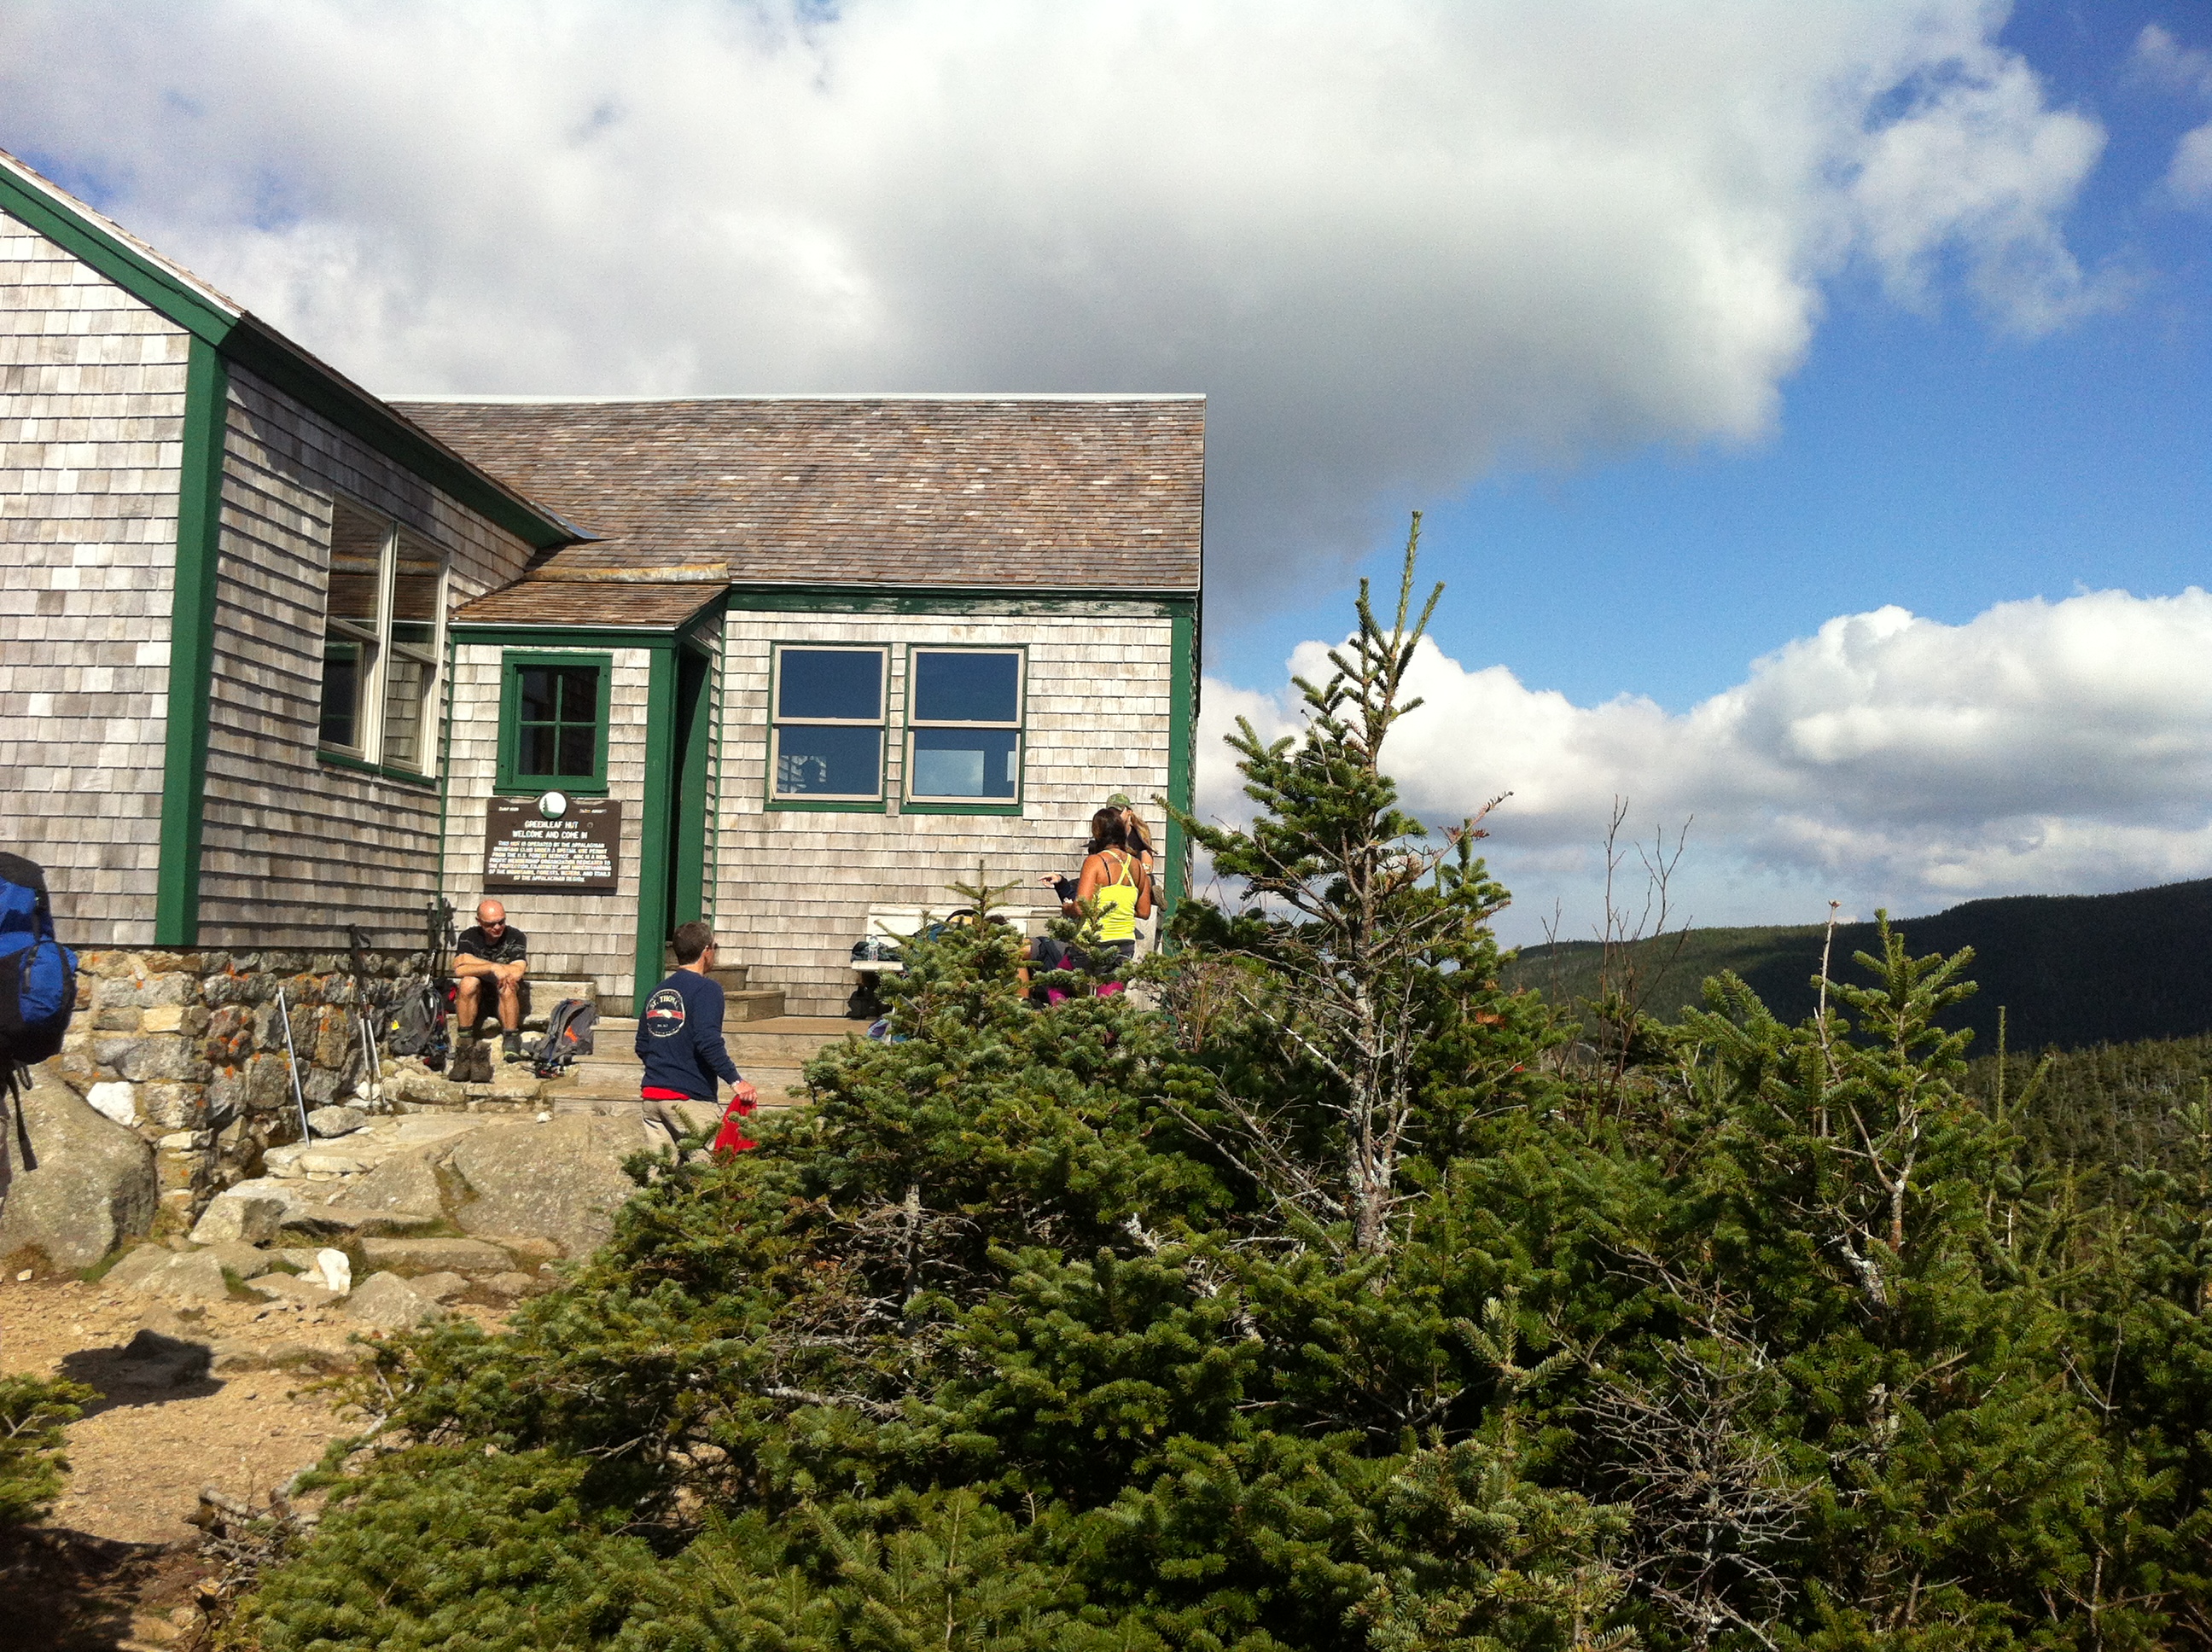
1321, 1300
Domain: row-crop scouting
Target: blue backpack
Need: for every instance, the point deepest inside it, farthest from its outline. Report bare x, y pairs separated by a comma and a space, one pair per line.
38, 973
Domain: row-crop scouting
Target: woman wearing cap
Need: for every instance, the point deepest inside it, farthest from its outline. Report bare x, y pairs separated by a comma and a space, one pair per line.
1137, 841
1140, 837
1119, 884
1139, 844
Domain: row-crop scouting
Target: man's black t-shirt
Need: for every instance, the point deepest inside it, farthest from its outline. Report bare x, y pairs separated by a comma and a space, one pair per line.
512, 944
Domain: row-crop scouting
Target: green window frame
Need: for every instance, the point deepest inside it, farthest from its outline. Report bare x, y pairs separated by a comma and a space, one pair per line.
513, 774
997, 739
818, 739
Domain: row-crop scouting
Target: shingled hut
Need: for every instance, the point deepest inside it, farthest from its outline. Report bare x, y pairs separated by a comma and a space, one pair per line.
279, 656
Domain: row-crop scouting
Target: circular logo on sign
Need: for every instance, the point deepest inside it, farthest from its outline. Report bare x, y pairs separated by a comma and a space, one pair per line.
663, 1013
553, 804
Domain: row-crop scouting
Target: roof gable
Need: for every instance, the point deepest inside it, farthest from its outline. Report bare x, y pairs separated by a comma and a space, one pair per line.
173, 291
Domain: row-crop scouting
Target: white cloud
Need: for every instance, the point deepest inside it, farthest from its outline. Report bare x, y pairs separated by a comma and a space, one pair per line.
2164, 62
1982, 170
1396, 241
2190, 177
1887, 759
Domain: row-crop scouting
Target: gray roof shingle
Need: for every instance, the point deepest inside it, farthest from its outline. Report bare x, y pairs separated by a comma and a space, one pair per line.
640, 606
1005, 493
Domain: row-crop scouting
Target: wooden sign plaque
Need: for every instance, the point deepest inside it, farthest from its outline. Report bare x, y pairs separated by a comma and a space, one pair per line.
578, 852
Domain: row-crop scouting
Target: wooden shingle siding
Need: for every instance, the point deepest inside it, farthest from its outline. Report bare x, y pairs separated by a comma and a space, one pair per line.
794, 888
92, 401
294, 849
572, 936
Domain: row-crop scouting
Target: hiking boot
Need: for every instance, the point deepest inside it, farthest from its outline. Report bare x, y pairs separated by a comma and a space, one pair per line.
510, 1047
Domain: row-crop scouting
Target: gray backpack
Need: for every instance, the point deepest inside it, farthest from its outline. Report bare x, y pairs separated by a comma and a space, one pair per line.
416, 1025
568, 1032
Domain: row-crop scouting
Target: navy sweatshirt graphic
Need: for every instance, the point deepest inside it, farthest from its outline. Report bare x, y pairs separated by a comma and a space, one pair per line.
679, 1037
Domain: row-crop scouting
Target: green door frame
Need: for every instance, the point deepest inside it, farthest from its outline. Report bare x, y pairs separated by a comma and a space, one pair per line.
1182, 745
653, 814
671, 871
694, 730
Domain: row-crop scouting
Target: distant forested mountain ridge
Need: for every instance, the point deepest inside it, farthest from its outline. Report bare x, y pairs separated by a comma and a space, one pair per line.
2070, 970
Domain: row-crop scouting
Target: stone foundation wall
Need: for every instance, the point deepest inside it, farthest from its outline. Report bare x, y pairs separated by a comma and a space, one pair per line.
187, 1048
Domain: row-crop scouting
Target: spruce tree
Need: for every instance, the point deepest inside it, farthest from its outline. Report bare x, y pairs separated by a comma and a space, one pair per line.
1351, 914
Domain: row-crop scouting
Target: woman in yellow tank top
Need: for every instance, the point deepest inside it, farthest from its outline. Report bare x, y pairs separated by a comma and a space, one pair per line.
1113, 877
1116, 881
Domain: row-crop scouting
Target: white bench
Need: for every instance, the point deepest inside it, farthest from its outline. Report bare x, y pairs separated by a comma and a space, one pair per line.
900, 924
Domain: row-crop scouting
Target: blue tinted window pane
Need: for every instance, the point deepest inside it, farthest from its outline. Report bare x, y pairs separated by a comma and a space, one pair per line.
965, 763
830, 762
967, 688
830, 682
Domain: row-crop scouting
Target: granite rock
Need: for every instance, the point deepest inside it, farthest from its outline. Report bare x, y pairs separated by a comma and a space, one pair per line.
234, 1218
336, 1120
390, 1303
439, 1287
405, 1181
561, 1179
184, 1277
93, 1187
292, 1288
436, 1256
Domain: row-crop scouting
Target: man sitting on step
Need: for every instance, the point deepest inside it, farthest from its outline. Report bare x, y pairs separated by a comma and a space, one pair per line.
494, 955
679, 1038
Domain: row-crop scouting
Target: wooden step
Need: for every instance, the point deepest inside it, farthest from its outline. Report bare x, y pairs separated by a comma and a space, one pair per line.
759, 1004
773, 1085
787, 1040
613, 1071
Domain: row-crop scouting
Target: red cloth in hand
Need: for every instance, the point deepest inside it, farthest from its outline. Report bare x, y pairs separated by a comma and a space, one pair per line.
731, 1137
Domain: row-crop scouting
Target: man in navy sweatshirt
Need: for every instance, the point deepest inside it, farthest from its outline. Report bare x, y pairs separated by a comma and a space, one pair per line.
679, 1037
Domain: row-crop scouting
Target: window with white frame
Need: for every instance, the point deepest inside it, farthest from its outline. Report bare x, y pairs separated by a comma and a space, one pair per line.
383, 631
964, 726
827, 718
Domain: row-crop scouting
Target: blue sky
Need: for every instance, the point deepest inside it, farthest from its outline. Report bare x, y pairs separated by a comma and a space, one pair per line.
1809, 401
1930, 460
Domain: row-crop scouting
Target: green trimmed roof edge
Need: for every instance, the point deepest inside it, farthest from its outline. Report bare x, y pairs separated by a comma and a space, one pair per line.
260, 349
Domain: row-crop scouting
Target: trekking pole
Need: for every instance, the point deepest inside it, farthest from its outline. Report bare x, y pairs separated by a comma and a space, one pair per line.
292, 1061
357, 939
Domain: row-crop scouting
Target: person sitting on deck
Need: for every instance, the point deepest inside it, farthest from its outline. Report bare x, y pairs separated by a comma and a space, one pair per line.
496, 953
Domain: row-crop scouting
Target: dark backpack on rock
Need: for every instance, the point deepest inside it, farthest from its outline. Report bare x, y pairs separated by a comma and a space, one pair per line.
415, 1025
568, 1033
38, 973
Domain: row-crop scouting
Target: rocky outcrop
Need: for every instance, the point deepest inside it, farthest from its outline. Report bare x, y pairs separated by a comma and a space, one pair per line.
247, 1218
405, 1181
172, 1276
387, 1302
336, 1120
560, 1178
94, 1187
405, 1256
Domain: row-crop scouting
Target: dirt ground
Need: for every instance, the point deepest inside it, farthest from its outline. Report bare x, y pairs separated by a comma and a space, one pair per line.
116, 1564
